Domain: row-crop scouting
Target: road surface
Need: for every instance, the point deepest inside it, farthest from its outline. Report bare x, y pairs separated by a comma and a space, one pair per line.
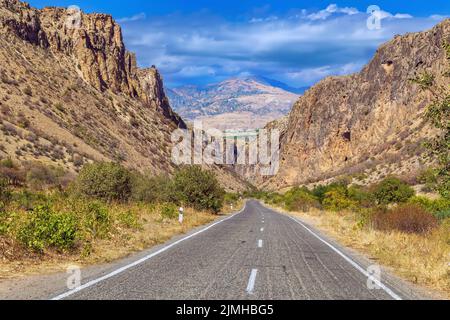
254, 254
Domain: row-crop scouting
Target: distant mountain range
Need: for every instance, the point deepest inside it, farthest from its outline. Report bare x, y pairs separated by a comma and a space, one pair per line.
245, 102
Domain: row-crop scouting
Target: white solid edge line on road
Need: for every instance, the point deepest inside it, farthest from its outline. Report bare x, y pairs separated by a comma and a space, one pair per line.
353, 263
137, 262
260, 243
251, 281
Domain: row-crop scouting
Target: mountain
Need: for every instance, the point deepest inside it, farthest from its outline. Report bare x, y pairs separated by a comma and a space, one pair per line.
236, 103
369, 124
71, 95
279, 84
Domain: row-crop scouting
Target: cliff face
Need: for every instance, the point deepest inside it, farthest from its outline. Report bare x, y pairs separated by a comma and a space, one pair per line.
94, 44
346, 124
74, 95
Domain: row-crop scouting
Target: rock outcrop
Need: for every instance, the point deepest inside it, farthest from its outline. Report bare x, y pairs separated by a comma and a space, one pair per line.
345, 124
94, 44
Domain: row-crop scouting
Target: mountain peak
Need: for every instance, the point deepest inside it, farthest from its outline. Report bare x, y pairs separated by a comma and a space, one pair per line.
235, 103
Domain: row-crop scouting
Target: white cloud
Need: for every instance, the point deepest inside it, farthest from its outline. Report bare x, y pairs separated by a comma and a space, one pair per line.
328, 11
438, 17
311, 75
291, 48
136, 17
384, 14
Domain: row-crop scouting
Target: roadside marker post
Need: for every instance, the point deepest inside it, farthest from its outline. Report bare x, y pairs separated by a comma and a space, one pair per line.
180, 215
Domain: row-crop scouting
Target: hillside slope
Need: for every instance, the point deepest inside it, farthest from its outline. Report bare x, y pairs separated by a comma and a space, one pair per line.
74, 95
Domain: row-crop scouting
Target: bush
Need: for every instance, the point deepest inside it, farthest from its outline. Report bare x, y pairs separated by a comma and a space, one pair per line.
362, 197
151, 189
40, 176
442, 215
5, 193
129, 219
231, 198
437, 207
105, 181
45, 228
392, 190
28, 200
409, 218
97, 219
300, 199
193, 186
337, 200
169, 211
428, 178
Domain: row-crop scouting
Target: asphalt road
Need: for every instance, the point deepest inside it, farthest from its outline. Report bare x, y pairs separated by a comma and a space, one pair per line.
255, 254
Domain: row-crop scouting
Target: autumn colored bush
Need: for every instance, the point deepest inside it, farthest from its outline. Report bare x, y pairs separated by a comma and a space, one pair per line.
408, 218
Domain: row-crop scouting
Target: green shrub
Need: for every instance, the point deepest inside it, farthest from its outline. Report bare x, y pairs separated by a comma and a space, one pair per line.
428, 178
439, 207
442, 215
7, 163
275, 198
105, 181
45, 228
409, 218
4, 222
129, 219
319, 192
337, 200
169, 210
193, 186
364, 198
392, 190
300, 199
97, 219
27, 200
151, 189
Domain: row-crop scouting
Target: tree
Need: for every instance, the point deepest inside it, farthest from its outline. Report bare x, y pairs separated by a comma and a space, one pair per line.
198, 188
104, 180
438, 114
392, 190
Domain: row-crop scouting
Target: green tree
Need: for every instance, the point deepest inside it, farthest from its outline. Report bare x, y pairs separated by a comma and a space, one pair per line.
392, 190
198, 188
104, 180
438, 114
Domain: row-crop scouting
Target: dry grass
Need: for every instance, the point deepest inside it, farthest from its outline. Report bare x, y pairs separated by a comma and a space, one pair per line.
421, 259
151, 229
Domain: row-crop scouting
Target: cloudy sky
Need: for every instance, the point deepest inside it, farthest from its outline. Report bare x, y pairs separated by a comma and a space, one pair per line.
297, 42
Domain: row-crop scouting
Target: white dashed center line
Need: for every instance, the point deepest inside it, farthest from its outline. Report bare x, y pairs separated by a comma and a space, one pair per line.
260, 243
262, 229
251, 281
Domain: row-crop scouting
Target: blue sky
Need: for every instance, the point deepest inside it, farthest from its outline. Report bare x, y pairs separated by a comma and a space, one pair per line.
297, 42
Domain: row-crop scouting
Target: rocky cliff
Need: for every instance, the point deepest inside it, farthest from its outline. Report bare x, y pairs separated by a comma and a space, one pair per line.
70, 93
94, 44
349, 124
